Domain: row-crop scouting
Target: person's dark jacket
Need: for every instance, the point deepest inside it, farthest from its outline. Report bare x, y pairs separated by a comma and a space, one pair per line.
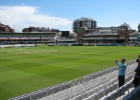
137, 70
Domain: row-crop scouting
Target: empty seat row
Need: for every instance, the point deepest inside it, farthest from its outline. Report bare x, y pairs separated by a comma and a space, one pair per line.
112, 92
85, 86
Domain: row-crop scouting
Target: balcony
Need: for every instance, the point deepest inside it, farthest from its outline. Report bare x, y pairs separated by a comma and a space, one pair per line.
100, 38
62, 39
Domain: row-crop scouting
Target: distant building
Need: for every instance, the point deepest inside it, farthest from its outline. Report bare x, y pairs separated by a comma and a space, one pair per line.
48, 38
99, 35
6, 28
28, 37
134, 37
139, 28
78, 24
39, 29
66, 38
119, 34
84, 26
124, 27
123, 31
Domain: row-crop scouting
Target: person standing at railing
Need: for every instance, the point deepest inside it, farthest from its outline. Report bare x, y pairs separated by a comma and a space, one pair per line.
136, 80
121, 71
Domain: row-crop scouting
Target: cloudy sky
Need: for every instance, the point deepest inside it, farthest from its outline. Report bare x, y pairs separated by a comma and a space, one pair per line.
59, 14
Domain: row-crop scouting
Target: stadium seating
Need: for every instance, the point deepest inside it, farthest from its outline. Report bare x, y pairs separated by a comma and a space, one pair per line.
3, 38
14, 38
102, 85
34, 37
133, 95
26, 37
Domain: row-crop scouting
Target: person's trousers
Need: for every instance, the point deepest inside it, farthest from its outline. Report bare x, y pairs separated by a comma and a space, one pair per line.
121, 80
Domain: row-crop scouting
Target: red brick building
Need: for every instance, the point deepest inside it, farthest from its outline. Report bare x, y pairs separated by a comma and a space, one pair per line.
39, 29
6, 28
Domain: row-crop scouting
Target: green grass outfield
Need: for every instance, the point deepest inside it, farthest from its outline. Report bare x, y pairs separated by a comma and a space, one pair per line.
27, 69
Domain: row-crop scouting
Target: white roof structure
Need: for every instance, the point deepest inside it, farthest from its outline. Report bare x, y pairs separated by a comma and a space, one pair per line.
106, 33
134, 33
